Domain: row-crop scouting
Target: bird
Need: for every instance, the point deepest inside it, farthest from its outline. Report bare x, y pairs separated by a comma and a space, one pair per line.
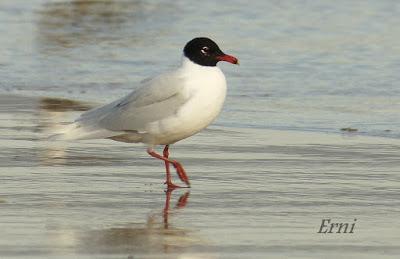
164, 109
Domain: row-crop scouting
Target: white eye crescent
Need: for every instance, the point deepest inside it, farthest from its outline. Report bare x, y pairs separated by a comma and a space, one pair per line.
204, 50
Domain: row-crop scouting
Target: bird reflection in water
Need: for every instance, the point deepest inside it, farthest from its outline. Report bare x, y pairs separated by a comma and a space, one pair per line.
156, 237
179, 205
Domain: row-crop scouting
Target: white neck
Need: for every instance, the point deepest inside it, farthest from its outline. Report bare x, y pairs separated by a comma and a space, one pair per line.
198, 76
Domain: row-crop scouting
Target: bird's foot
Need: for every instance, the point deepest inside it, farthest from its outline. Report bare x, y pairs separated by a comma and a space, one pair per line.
181, 173
171, 186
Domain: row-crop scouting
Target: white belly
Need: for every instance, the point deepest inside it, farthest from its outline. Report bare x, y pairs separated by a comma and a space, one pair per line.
207, 95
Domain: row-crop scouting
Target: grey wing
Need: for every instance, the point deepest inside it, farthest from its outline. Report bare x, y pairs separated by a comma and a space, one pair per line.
155, 100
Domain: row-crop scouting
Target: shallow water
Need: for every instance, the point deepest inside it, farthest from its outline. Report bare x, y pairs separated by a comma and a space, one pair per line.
255, 193
267, 172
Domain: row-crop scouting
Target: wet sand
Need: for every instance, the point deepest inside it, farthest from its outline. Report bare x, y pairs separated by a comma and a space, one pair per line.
255, 193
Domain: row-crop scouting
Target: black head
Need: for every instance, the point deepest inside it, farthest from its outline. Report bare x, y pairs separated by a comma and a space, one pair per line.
206, 52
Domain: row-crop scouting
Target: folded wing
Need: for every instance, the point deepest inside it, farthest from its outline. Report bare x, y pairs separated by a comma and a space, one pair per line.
156, 99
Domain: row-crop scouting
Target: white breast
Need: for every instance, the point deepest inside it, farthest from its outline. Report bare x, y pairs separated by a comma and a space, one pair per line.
206, 88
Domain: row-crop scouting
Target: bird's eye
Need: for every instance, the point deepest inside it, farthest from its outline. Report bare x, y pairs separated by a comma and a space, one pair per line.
204, 50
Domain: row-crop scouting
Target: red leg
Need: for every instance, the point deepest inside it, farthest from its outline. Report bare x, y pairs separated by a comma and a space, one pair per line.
179, 168
166, 155
168, 181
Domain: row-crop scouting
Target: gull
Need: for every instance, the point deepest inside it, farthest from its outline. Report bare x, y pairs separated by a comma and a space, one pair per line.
164, 109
